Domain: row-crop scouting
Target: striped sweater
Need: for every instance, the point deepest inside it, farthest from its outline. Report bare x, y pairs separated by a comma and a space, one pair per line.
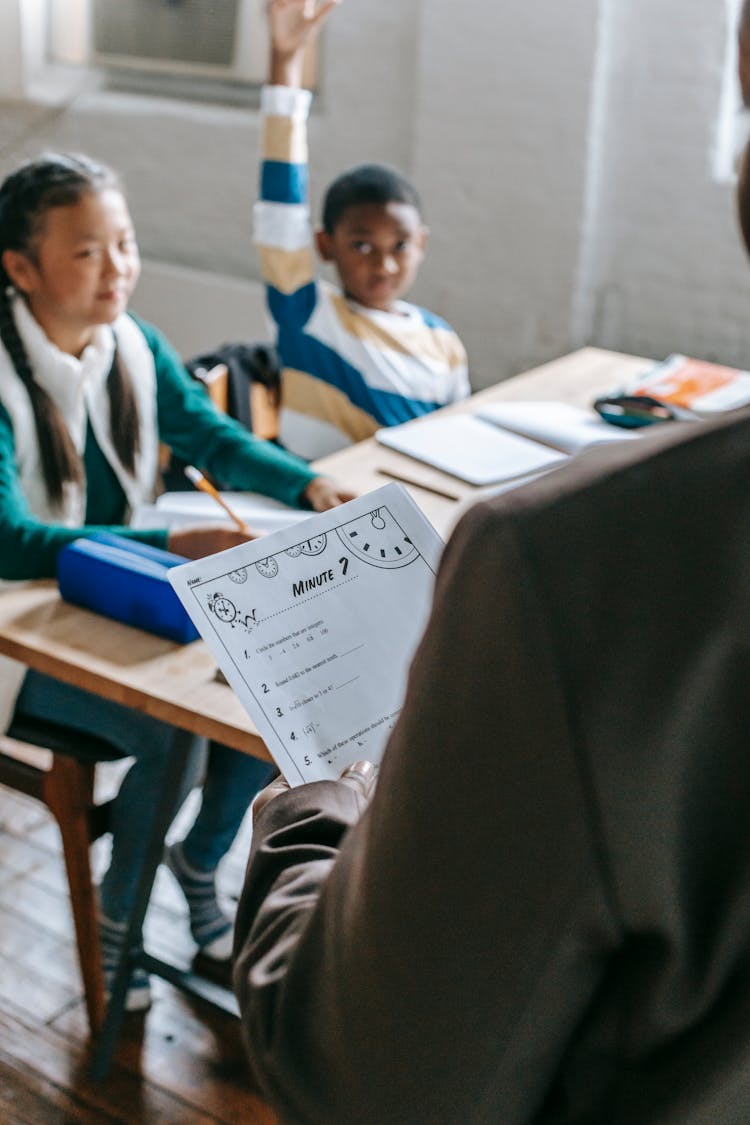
354, 367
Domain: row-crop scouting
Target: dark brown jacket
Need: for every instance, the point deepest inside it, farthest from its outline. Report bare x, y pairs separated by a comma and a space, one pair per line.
544, 914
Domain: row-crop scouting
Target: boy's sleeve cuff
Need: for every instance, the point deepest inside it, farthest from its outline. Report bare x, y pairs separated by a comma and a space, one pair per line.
285, 101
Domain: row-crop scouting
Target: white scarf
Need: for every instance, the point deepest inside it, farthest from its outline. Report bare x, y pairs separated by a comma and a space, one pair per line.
78, 389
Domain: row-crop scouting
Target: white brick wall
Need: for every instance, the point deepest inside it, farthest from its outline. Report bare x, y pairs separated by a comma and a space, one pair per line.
563, 151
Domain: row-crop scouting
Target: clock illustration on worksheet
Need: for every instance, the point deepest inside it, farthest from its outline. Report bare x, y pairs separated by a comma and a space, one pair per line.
377, 539
314, 546
269, 568
308, 547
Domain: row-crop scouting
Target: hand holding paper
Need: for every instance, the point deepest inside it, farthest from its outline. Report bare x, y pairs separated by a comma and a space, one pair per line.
361, 776
315, 626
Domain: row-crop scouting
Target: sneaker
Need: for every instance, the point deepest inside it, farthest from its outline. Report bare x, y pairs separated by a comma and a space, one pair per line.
112, 937
211, 929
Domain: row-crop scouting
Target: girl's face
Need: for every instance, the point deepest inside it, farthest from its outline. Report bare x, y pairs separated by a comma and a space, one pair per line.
83, 269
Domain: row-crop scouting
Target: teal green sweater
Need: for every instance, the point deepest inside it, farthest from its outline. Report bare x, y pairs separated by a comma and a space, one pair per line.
190, 425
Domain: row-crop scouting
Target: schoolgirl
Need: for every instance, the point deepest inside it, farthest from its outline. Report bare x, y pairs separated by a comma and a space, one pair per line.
87, 392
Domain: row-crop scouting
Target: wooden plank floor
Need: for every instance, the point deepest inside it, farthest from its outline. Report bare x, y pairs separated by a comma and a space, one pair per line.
180, 1063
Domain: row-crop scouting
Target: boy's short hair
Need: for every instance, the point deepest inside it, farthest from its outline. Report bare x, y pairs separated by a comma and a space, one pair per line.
367, 183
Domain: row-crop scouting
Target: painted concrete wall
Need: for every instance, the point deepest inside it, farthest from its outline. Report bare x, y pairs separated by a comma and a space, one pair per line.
667, 270
563, 152
501, 146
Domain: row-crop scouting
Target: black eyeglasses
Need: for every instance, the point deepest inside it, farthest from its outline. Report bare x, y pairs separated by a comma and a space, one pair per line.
631, 411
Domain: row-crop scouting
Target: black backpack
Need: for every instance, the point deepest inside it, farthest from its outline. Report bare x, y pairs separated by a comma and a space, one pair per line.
250, 392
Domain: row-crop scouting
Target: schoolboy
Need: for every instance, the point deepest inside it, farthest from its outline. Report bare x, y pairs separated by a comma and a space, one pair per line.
358, 357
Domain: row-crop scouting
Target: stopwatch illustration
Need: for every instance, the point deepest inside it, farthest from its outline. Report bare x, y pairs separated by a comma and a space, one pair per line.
225, 610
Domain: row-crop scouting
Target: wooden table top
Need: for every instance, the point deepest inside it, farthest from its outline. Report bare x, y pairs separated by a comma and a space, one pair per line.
177, 683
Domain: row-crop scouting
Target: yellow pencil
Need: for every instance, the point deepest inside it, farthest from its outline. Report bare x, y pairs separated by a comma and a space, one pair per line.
196, 477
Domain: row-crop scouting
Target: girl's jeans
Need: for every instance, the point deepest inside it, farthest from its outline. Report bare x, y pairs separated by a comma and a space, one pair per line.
231, 781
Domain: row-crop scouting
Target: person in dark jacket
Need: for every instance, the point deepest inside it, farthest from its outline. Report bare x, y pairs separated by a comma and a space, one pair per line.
543, 914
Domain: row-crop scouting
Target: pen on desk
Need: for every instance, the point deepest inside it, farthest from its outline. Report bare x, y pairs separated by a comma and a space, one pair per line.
196, 477
418, 484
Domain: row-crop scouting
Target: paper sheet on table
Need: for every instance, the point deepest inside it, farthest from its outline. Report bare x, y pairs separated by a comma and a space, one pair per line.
315, 626
183, 509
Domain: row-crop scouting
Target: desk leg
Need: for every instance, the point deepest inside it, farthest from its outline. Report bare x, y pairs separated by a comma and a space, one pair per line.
106, 1040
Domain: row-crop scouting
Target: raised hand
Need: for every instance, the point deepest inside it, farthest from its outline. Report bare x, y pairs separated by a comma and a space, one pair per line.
292, 25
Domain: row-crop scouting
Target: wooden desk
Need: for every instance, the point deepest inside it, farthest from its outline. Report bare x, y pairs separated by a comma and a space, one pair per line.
576, 378
176, 683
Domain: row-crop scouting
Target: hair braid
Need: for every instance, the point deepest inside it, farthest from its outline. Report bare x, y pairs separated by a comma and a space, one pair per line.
123, 409
60, 459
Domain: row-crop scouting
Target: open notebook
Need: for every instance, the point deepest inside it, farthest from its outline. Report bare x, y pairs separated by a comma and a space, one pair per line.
501, 441
570, 429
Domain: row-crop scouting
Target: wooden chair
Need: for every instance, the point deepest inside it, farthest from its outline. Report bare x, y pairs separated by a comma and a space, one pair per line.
33, 760
241, 380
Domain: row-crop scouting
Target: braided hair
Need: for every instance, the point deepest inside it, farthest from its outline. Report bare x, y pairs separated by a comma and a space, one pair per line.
56, 180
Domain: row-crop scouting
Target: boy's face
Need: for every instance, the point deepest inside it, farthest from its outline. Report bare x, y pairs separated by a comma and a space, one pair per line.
377, 250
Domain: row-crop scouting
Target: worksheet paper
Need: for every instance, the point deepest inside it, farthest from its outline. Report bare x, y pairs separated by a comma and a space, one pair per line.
186, 509
315, 626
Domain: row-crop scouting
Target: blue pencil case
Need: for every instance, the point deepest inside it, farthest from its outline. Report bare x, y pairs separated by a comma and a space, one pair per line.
126, 580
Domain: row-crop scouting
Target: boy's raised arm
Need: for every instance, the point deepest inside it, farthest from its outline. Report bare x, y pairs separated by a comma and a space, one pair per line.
292, 25
281, 225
